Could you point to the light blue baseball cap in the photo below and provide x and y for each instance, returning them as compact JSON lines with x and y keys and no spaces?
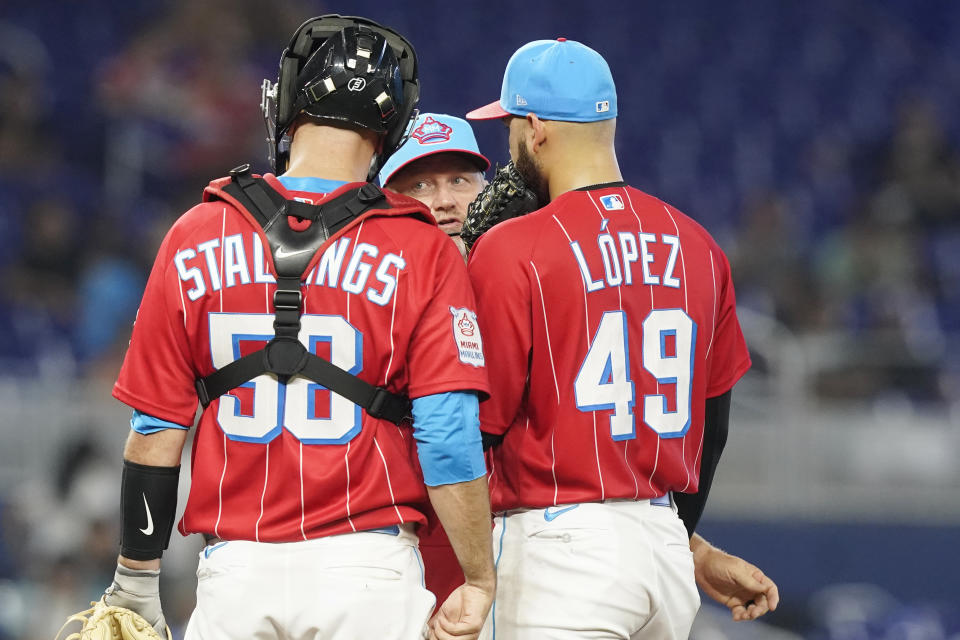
{"x":557,"y":80}
{"x":435,"y":133}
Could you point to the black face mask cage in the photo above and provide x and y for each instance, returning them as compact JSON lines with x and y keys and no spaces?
{"x":278,"y":98}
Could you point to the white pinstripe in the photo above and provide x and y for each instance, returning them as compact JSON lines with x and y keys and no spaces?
{"x":393,"y":314}
{"x":595,"y":205}
{"x":596,"y":452}
{"x":216,"y":527}
{"x":393,"y":500}
{"x":553,"y":465}
{"x":656,"y":459}
{"x":713,"y":281}
{"x":683,"y":263}
{"x":586,"y":327}
{"x":553,"y":367}
{"x":543,"y":306}
{"x":346,"y":461}
{"x":302,"y":508}
{"x":223,"y":235}
{"x":356,"y":241}
{"x":586,"y":323}
{"x":636,"y":484}
{"x":183,"y":305}
{"x":686,"y":308}
{"x":626,"y":443}
{"x":266,"y":475}
{"x":619,"y":286}
{"x":223,"y":473}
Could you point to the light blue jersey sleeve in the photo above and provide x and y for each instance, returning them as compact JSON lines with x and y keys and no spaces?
{"x":309,"y":184}
{"x":146,"y":424}
{"x":446,"y":427}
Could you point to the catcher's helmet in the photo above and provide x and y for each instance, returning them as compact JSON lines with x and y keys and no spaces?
{"x":345,"y":69}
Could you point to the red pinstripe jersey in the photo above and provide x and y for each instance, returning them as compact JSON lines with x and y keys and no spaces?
{"x":609,"y":318}
{"x":386,"y":298}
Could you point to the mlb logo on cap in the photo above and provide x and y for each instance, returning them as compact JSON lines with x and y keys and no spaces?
{"x":613,"y":202}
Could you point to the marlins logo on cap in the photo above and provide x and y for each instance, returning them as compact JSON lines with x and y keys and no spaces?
{"x":432,"y":131}
{"x":435,"y":133}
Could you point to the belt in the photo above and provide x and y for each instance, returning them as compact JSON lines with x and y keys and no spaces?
{"x":393,"y":530}
{"x":661,"y":501}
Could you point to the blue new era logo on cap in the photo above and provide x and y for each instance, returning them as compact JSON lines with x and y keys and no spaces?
{"x":612,"y":202}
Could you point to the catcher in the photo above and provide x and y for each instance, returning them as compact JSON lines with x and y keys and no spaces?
{"x":303,"y":480}
{"x":441,"y":165}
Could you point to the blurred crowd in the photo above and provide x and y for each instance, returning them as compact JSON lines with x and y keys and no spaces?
{"x":852,"y":241}
{"x":109,"y":129}
{"x":95,"y":166}
{"x":879,"y":289}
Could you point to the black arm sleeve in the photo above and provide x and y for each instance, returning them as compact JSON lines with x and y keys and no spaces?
{"x":715,"y":426}
{"x":148,"y":496}
{"x":490,"y":440}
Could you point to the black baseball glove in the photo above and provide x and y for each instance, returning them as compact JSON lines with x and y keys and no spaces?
{"x":507,"y":196}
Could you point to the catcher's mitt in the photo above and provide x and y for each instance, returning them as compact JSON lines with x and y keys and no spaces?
{"x":106,"y":622}
{"x":507,"y":196}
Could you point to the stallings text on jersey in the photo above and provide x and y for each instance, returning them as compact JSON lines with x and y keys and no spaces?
{"x":201,"y":267}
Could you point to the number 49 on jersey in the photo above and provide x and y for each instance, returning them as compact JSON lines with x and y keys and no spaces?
{"x":604,"y":381}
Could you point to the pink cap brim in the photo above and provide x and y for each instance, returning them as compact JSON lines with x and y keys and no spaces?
{"x":489,"y":112}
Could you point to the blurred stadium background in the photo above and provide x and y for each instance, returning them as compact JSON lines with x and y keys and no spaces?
{"x":816,"y":139}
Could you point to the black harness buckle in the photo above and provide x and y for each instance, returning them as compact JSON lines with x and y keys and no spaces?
{"x":284,"y":356}
{"x":201,"y":386}
{"x":378,"y":401}
{"x":287,"y":300}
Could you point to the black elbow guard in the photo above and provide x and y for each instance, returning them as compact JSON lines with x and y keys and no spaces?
{"x":148,"y":506}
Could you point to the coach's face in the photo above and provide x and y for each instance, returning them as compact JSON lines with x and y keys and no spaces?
{"x":445,"y":182}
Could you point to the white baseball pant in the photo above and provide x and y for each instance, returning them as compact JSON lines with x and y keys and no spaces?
{"x":618,"y":569}
{"x":357,"y":585}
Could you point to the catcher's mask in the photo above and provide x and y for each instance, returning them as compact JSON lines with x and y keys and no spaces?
{"x":343,"y":69}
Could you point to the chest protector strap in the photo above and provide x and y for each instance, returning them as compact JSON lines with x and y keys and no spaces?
{"x":285,"y":356}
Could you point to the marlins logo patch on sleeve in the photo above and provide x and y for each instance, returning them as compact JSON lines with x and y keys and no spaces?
{"x":466,"y":334}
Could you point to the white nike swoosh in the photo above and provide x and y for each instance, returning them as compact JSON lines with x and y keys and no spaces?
{"x":281,"y":252}
{"x":149,"y":528}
